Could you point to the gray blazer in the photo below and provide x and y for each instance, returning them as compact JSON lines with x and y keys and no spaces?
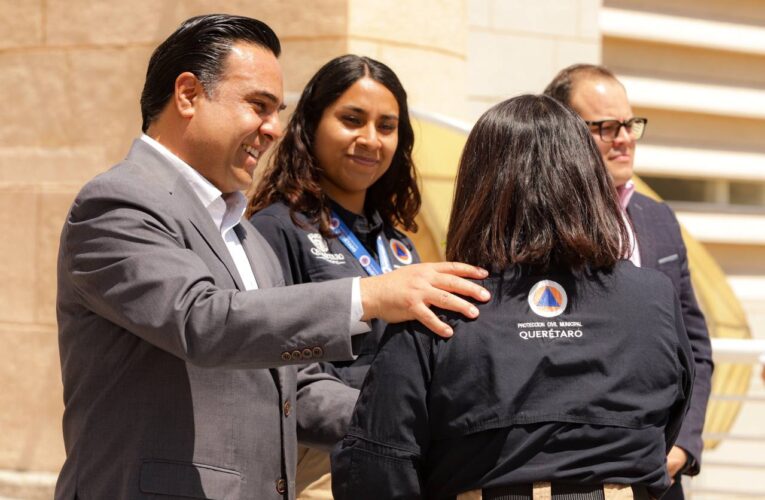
{"x":171,"y":372}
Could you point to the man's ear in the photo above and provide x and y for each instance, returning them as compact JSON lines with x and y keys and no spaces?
{"x":188,"y":89}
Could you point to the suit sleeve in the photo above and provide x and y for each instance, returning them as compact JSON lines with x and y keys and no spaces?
{"x":698,"y":337}
{"x":381,"y":456}
{"x":324,"y":407}
{"x":324,"y":402}
{"x":129,"y":262}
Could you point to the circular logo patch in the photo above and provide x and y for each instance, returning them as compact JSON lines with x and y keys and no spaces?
{"x":400,"y":251}
{"x":364,"y":260}
{"x":548,"y":299}
{"x":334,"y":222}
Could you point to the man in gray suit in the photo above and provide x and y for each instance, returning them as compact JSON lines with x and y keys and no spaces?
{"x":172,"y":325}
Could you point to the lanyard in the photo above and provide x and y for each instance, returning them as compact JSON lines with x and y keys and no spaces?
{"x":360,"y":253}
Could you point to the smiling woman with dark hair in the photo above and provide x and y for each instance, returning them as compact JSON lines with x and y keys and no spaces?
{"x":360,"y":101}
{"x":340,"y":183}
{"x":574,"y":380}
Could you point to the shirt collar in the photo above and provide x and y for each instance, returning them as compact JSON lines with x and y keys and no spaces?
{"x":226,"y":210}
{"x":362,"y":225}
{"x":625,"y":193}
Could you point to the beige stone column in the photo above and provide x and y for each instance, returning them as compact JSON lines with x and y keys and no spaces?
{"x":517,"y":46}
{"x":71,"y":73}
{"x":424,"y":42}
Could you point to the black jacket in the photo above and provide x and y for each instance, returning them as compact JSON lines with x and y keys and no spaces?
{"x":596,"y":394}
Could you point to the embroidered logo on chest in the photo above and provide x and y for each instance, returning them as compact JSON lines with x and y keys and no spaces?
{"x":318,"y":242}
{"x":320,"y":250}
{"x":400,"y":251}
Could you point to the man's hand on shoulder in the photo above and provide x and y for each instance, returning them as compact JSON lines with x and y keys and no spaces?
{"x":408,"y":292}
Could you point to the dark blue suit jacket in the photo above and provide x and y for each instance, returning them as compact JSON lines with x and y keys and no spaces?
{"x":661,"y":247}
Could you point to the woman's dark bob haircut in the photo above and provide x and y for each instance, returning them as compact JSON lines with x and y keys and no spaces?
{"x":294,"y":172}
{"x":532,"y":190}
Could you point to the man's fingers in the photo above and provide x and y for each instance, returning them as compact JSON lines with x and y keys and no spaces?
{"x":424,"y":315}
{"x":461,"y":269}
{"x":461,"y":286}
{"x":446,"y":300}
{"x":396,"y":296}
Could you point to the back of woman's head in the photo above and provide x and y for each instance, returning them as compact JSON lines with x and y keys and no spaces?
{"x":294,"y":173}
{"x":532,"y":190}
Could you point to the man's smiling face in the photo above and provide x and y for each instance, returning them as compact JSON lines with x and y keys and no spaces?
{"x":237,"y":120}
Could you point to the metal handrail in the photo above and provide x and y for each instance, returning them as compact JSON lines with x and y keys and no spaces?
{"x":737,"y":398}
{"x":745,"y":351}
{"x":737,"y":465}
{"x":728,"y":436}
{"x":725,"y":493}
{"x":738,"y":350}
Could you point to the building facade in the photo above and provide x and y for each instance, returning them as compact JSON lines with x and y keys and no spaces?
{"x":72,"y":73}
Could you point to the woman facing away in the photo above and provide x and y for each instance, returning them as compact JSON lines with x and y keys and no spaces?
{"x":574,"y":380}
{"x":340,"y":183}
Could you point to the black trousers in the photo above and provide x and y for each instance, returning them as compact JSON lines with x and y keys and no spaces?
{"x":675,"y":492}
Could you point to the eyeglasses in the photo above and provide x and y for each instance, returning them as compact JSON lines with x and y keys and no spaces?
{"x":610,"y":129}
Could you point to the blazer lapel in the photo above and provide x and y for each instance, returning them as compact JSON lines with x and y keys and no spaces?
{"x":640,"y":224}
{"x":203,"y":223}
{"x":162,"y":172}
{"x":263,"y":275}
{"x":218,"y":246}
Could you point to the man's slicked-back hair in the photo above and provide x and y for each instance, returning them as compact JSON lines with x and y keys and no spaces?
{"x":561,"y":86}
{"x":532,"y":190}
{"x":200,"y":46}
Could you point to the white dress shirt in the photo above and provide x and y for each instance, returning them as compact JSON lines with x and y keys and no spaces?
{"x":226,"y":210}
{"x":625,"y":193}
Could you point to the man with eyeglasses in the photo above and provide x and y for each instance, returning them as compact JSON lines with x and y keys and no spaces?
{"x":601,"y":100}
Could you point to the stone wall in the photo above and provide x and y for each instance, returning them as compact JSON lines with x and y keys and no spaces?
{"x":517,"y":46}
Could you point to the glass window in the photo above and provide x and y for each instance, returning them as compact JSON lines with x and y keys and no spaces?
{"x":670,"y":189}
{"x":747,"y":193}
